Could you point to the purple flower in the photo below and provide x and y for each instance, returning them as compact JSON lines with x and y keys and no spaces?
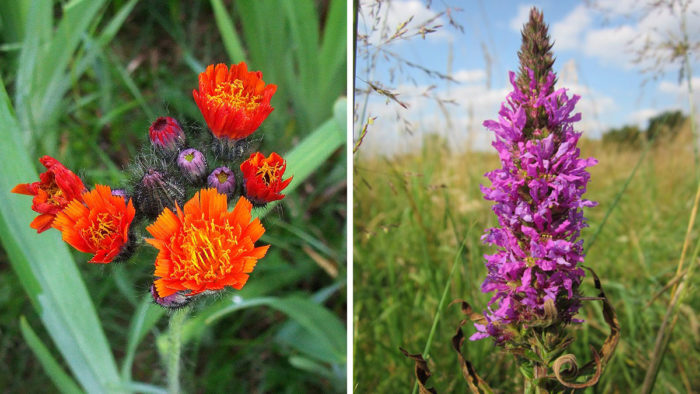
{"x":223,"y":180}
{"x":192,"y":164}
{"x":537,"y":197}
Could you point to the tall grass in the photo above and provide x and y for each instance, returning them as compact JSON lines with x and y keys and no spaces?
{"x":408,"y":211}
{"x":82,"y":81}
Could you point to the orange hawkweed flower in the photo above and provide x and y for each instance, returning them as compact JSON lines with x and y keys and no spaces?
{"x":57,"y":187}
{"x":100,"y":226}
{"x":234,"y":102}
{"x":204,"y":246}
{"x":263,"y":177}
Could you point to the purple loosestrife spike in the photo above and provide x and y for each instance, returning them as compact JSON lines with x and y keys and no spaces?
{"x":539,"y":204}
{"x":223,"y":180}
{"x":192,"y":164}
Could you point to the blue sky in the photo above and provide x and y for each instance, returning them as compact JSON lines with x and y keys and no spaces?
{"x":594,"y":45}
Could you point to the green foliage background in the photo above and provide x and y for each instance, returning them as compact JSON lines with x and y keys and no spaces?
{"x":81,"y":81}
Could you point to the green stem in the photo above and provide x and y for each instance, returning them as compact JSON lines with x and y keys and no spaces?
{"x":177,"y":320}
{"x":691,"y":105}
{"x":436,"y":319}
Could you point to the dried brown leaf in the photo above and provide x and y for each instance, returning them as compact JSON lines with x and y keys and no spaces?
{"x":422,"y":371}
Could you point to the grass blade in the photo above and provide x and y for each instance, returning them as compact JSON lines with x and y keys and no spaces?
{"x":319,"y":321}
{"x":46,"y":269}
{"x":60,"y":378}
{"x":436,"y":319}
{"x":228,"y":32}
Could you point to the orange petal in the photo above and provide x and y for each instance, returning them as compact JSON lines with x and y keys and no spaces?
{"x":42,"y":222}
{"x":241,"y":213}
{"x":166,"y":225}
{"x":255,"y":230}
{"x":23,"y":188}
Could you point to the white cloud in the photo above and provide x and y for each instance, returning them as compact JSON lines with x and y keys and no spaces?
{"x":568,"y":32}
{"x":520,"y":18}
{"x":611,"y":45}
{"x":678,"y":88}
{"x":641,"y":117}
{"x":467,"y":76}
{"x":629,"y":27}
{"x":617,"y":8}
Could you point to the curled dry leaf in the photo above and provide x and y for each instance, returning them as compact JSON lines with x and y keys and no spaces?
{"x":600,"y":358}
{"x":422,"y":371}
{"x":476,"y":383}
{"x":569,"y":360}
{"x":608,"y":348}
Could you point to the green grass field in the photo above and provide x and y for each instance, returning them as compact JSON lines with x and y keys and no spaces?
{"x":411,"y":214}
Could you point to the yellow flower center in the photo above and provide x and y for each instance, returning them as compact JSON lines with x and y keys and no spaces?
{"x":268,"y":173}
{"x":234,"y":95}
{"x":530,"y":261}
{"x":189,"y":157}
{"x":222,"y":177}
{"x":208,"y":248}
{"x":103,"y":226}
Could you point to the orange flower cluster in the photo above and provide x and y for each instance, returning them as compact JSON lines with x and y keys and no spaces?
{"x":233,"y":101}
{"x":204,"y":246}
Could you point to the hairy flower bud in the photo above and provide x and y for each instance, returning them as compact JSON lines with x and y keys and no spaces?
{"x":223,"y":180}
{"x":175,"y":300}
{"x":166,"y":134}
{"x":120,"y":193}
{"x":192,"y":164}
{"x":157,"y":190}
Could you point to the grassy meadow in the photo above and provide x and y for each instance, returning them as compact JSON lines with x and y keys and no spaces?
{"x":82,"y":81}
{"x":412,"y":213}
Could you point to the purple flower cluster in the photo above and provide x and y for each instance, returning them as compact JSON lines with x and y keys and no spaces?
{"x":538,"y":202}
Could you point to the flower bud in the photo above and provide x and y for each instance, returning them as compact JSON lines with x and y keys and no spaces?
{"x":192,"y":164}
{"x":166,"y":134}
{"x":120,"y":193}
{"x":176,"y":300}
{"x":223,"y":180}
{"x":155,"y":191}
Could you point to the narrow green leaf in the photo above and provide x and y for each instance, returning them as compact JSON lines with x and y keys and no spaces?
{"x":59,"y":377}
{"x":319,"y":321}
{"x":313,"y":151}
{"x":77,"y":16}
{"x":46,"y":269}
{"x":144,"y":319}
{"x":228,"y":32}
{"x":333,"y":53}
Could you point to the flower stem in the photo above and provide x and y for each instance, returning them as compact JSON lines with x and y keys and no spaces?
{"x":177,"y":319}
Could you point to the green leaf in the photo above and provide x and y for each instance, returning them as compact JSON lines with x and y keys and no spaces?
{"x":46,"y":269}
{"x":144,"y":319}
{"x":60,"y":378}
{"x":317,"y":320}
{"x":232,"y":43}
